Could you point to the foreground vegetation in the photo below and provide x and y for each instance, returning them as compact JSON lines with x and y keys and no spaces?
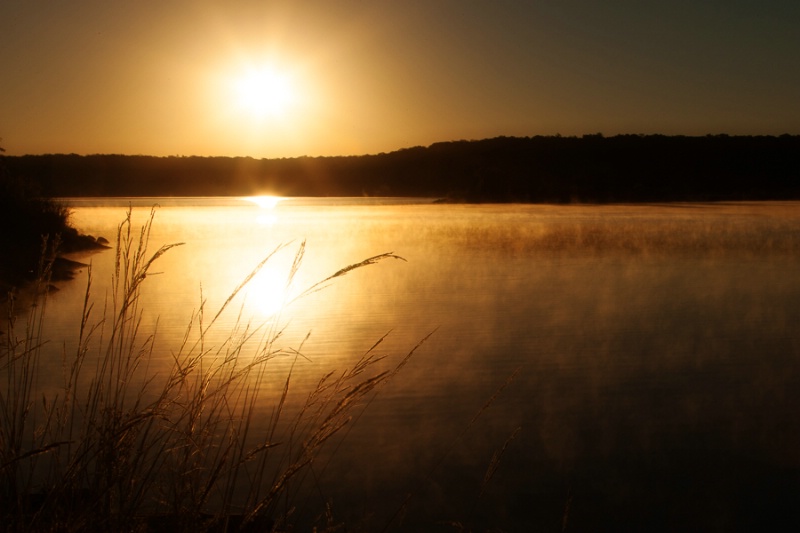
{"x":119,"y":446}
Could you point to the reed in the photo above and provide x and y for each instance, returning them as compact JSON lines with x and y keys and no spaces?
{"x":120,"y":446}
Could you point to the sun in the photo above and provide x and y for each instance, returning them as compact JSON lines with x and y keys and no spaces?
{"x":262,"y":105}
{"x":264,"y":92}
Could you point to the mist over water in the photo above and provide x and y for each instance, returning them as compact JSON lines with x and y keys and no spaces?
{"x":648,"y":355}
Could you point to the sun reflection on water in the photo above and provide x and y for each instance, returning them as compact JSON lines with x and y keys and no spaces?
{"x":268,"y":291}
{"x":267,"y":204}
{"x":265,"y":201}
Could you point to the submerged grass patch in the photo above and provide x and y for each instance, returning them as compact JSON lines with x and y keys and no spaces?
{"x":121,"y":446}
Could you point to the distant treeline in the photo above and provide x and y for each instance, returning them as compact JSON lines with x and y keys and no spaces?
{"x":592,"y":168}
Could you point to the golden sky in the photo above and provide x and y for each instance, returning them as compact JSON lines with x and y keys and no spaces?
{"x":340,"y":77}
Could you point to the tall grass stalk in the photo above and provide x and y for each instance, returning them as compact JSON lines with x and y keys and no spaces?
{"x":122,"y":446}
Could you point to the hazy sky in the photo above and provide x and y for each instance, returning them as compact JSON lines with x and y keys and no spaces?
{"x":306,"y":77}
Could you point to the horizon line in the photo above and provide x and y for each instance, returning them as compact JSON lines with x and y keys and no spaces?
{"x":597,"y":135}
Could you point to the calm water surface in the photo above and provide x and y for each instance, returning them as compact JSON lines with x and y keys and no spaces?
{"x":653,"y":350}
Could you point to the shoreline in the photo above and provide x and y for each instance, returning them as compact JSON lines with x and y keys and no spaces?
{"x":19,"y":278}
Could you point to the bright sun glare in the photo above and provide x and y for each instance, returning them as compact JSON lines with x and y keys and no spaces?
{"x":264,"y":92}
{"x":264,"y":202}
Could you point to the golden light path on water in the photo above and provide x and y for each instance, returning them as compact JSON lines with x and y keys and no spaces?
{"x":269,"y":289}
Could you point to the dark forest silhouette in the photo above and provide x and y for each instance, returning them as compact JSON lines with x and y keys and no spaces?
{"x":592,"y":168}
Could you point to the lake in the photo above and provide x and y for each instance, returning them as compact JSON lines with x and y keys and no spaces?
{"x":618,"y":367}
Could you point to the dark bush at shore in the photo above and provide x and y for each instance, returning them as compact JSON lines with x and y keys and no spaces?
{"x":35,"y":230}
{"x":31,"y":226}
